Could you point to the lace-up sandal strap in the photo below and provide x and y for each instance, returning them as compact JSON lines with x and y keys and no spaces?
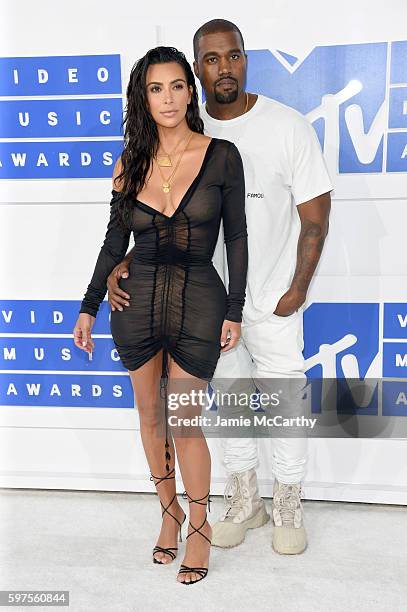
{"x":198,"y":530}
{"x":159,"y":479}
{"x":185,"y":569}
{"x":165,"y":510}
{"x":167,"y":551}
{"x":200,"y":501}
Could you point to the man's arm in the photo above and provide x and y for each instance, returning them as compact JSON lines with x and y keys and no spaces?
{"x":314,"y":216}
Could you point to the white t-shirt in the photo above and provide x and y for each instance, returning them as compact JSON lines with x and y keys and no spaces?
{"x":283,"y":167}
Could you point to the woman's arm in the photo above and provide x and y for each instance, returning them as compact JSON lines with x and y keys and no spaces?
{"x":235,"y":232}
{"x":113,"y":250}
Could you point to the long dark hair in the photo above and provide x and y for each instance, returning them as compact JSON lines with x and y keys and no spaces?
{"x":141,"y":133}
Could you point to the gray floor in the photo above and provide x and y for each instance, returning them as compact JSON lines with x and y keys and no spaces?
{"x":98,"y":546}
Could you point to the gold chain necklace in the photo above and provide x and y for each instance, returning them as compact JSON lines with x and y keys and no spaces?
{"x":166,"y":184}
{"x":247,"y":103}
{"x":165,"y":160}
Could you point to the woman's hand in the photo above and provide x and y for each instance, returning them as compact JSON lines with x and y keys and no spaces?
{"x":231,"y":332}
{"x":81,"y":333}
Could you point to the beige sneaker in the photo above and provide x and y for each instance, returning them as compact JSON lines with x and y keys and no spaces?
{"x":289,"y":535}
{"x":244,"y":509}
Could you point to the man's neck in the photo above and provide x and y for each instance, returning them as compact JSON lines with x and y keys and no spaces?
{"x":223,"y":112}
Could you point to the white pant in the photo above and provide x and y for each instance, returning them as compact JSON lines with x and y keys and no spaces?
{"x":271,"y":348}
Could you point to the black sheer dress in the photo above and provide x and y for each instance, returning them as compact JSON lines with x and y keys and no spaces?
{"x":178,"y":302}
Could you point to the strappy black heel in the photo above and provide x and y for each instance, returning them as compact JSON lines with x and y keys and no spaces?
{"x":184,"y":569}
{"x":168,"y":551}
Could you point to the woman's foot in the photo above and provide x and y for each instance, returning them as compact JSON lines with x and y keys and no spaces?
{"x":169,"y":534}
{"x":197,"y":552}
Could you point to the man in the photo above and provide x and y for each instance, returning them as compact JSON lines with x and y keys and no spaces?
{"x":287,"y":209}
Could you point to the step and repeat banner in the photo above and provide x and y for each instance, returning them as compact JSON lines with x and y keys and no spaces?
{"x":62,"y":95}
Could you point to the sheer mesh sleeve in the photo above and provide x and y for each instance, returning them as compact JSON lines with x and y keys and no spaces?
{"x":113,"y":250}
{"x":235,"y":232}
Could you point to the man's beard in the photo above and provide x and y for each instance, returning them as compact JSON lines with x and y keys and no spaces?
{"x":226,"y":98}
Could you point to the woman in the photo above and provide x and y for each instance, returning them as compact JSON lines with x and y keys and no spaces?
{"x":172,"y":186}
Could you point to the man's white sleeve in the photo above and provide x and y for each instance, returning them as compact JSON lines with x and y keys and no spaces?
{"x":310,"y":176}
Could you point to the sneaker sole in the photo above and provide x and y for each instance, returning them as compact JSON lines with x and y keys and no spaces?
{"x":258,"y":520}
{"x":290,"y":552}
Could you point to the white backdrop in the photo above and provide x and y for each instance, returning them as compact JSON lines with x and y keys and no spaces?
{"x":51,"y":231}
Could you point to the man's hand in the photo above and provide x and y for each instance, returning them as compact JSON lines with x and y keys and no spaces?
{"x":314,"y":217}
{"x":231,"y":332}
{"x":117,"y":297}
{"x":291,"y":301}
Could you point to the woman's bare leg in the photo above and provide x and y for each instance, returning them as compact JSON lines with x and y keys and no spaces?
{"x":195,"y":465}
{"x":146,"y":386}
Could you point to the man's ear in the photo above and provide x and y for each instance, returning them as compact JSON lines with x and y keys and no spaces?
{"x":196,"y":69}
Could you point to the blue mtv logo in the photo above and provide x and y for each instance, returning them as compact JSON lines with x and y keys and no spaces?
{"x":342,"y":347}
{"x":344,"y":91}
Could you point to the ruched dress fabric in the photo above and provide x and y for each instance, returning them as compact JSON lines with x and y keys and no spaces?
{"x":178,"y":302}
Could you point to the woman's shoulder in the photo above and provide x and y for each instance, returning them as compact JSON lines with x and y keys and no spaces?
{"x":217,"y":147}
{"x":222,"y":143}
{"x":225,"y":147}
{"x":117,"y":180}
{"x":227,"y":150}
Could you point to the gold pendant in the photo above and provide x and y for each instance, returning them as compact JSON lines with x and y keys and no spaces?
{"x":164,"y":161}
{"x":166,"y":187}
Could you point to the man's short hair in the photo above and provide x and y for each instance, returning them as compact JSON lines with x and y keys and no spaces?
{"x":213,"y":27}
